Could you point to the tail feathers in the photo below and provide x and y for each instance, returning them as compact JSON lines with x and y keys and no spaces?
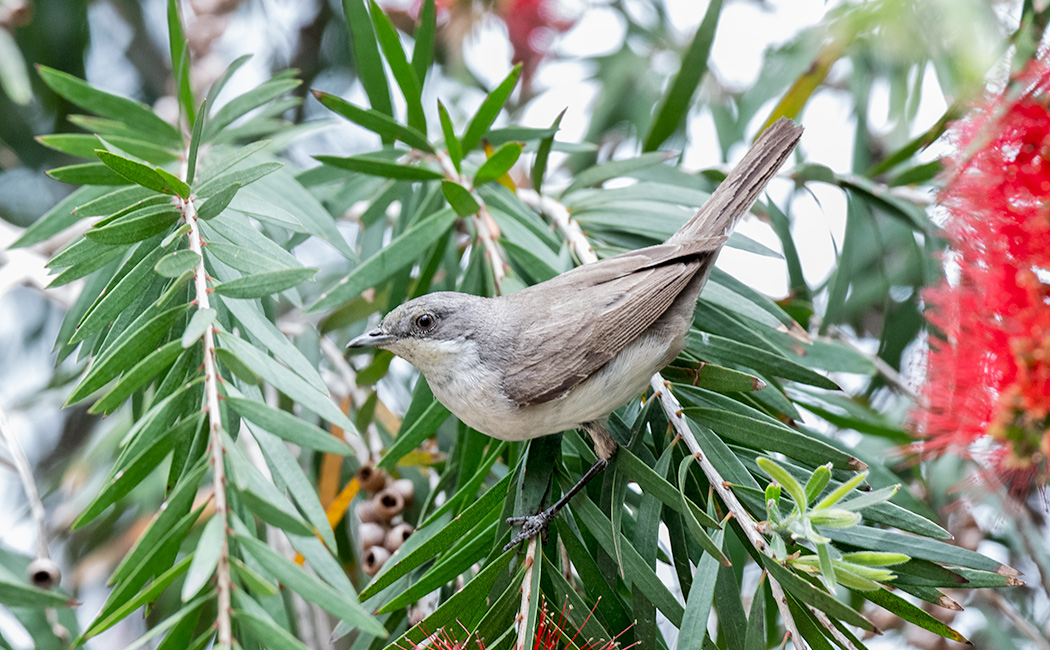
{"x":735,"y":196}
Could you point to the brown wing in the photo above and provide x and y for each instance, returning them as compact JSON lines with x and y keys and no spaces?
{"x":590,"y":314}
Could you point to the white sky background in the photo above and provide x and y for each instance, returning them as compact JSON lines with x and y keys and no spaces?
{"x":268,"y":28}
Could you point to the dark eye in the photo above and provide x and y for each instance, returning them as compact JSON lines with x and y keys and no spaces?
{"x":425,"y":321}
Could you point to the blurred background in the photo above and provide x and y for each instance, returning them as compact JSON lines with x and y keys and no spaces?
{"x":874,"y":83}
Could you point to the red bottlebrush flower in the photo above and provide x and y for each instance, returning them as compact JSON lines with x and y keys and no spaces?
{"x":531,"y":25}
{"x":988,"y":369}
{"x":549,"y":633}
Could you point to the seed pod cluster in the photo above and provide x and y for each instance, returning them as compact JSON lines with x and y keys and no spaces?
{"x":380,"y":527}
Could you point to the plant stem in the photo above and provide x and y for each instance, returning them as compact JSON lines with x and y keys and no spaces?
{"x":526,"y":594}
{"x":484,"y":224}
{"x":25,"y":472}
{"x":215,"y":444}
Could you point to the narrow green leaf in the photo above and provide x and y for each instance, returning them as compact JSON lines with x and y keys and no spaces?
{"x":711,"y":347}
{"x":466,"y":607}
{"x":762,"y":434}
{"x":700,"y":600}
{"x":379,"y":167}
{"x":218,"y":202}
{"x":253,"y":580}
{"x":148,"y":595}
{"x":180,"y":63}
{"x":189,"y":612}
{"x":311,"y":588}
{"x":195,"y":142}
{"x":63,"y":215}
{"x":423,"y":51}
{"x":139,"y":374}
{"x":693,"y":515}
{"x":785,"y":480}
{"x":242,"y":104}
{"x":498,"y":164}
{"x":134,"y":171}
{"x":133,"y":113}
{"x":84,"y":145}
{"x":366,"y":55}
{"x":217,"y":87}
{"x":131,"y":345}
{"x":175,"y":264}
{"x":213,"y":186}
{"x":909,"y":612}
{"x":176,"y":184}
{"x":130,"y":472}
{"x":16,"y":594}
{"x":614,"y":169}
{"x":634,"y":567}
{"x":243,"y":259}
{"x":87,"y":174}
{"x":375,"y":121}
{"x":817,"y":482}
{"x":488,"y":503}
{"x":404,"y":74}
{"x":460,"y":198}
{"x":812,"y":595}
{"x":263,"y":628}
{"x":865,"y":537}
{"x":678,"y":100}
{"x":287,"y":426}
{"x":135,"y":227}
{"x":841,"y":491}
{"x":488,"y":110}
{"x":261,"y":285}
{"x":205,"y":558}
{"x":199,"y":323}
{"x":287,"y":381}
{"x":655,"y":485}
{"x":543,"y":152}
{"x":285,"y":468}
{"x":755,"y":639}
{"x":400,"y":253}
{"x":422,"y":428}
{"x":455,"y":152}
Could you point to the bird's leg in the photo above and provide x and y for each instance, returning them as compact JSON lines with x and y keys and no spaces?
{"x":532,"y":525}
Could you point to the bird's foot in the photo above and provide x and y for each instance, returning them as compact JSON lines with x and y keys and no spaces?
{"x":531,"y":526}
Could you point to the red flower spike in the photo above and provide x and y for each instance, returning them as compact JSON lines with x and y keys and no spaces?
{"x":988,"y":368}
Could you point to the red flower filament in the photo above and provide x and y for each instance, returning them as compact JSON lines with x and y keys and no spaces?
{"x":988,"y":370}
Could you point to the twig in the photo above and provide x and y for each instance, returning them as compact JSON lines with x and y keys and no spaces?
{"x":888,"y":372}
{"x":1009,"y":611}
{"x":211,"y":391}
{"x":486,"y":226}
{"x":526,"y":593}
{"x":25,"y":472}
{"x":349,"y":377}
{"x":673,"y":410}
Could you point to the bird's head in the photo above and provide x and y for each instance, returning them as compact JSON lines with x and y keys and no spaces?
{"x":431,"y":330}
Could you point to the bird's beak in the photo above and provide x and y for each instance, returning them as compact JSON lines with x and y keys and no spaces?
{"x":373,"y":339}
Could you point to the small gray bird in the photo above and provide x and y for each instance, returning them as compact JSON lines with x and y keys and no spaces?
{"x":567,"y":352}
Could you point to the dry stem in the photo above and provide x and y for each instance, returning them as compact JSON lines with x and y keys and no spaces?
{"x":211,"y":391}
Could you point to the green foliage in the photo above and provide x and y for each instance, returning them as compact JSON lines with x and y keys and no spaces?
{"x":200,"y":329}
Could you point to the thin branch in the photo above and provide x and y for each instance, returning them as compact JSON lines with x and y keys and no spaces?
{"x":486,"y":227}
{"x":526,"y":593}
{"x":25,"y":472}
{"x":1020,"y":622}
{"x":888,"y":372}
{"x":211,"y":391}
{"x":673,"y":411}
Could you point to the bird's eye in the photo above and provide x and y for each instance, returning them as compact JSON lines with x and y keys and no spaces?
{"x":425,"y":321}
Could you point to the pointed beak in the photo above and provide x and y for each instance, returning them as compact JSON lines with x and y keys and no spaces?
{"x":375,"y":338}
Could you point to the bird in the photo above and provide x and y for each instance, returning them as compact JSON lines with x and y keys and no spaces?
{"x":565,"y":353}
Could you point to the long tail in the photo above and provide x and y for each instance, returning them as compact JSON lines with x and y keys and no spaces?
{"x":745,"y":183}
